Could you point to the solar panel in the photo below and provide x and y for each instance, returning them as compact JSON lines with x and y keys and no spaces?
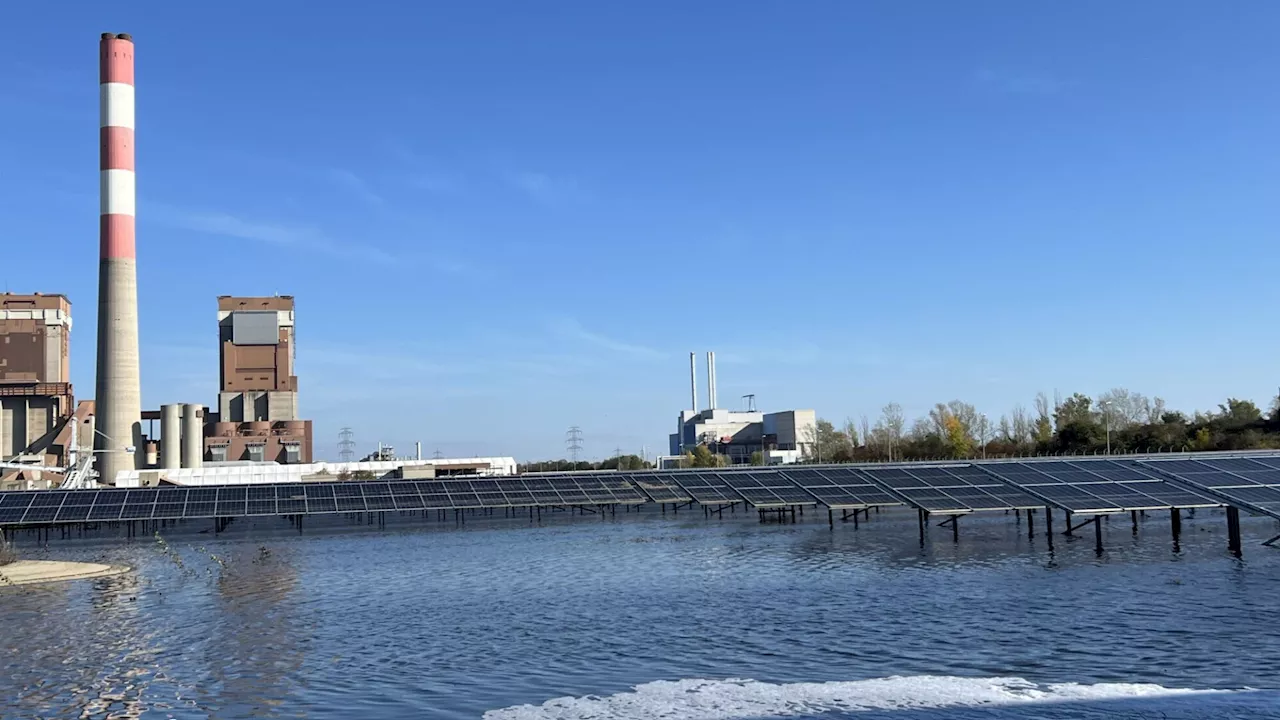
{"x":1096,"y":486}
{"x":377,"y":496}
{"x":1248,"y":482}
{"x":13,"y":505}
{"x":951,"y":489}
{"x":320,"y":498}
{"x":517,"y":494}
{"x":290,"y":499}
{"x":76,"y":506}
{"x":348,"y":498}
{"x":262,"y":500}
{"x":706,"y":488}
{"x":767,"y":489}
{"x":841,"y":488}
{"x":232,"y":501}
{"x":108,"y":505}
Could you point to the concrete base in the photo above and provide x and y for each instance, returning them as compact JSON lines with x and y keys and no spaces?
{"x":29,"y":572}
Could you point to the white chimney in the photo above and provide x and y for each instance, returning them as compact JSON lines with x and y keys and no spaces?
{"x":693,"y":379}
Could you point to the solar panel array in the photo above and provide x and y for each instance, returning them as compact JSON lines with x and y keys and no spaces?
{"x":660,"y":487}
{"x":767,"y":489}
{"x":1097,"y":486}
{"x":955,"y":489}
{"x":1080,"y":486}
{"x":1251,"y":482}
{"x":841,"y":488}
{"x":173,"y":503}
{"x":707,"y":488}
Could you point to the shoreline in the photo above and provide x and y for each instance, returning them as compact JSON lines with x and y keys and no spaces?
{"x":32,"y":572}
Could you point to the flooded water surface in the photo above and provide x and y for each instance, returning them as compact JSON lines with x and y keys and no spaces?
{"x":645,"y":615}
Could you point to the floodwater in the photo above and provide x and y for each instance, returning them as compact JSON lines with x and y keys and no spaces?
{"x":646,"y":616}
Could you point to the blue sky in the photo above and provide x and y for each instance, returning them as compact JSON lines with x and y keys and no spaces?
{"x":500,"y":219}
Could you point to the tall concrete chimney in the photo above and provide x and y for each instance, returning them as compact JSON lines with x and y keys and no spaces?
{"x":711,"y":383}
{"x":693,"y":379}
{"x":118,"y":388}
{"x":192,"y":436}
{"x":715,"y":383}
{"x":171,"y":436}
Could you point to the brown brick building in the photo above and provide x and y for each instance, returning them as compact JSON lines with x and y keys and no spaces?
{"x":37,"y":400}
{"x":257,"y":416}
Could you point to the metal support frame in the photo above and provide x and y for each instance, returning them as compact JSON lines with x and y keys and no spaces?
{"x":719,"y":510}
{"x":1233,"y":530}
{"x":1072,"y":528}
{"x":954,"y":522}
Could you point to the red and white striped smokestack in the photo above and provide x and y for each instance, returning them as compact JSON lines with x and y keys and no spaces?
{"x":118,"y":408}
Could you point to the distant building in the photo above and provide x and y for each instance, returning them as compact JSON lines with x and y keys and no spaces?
{"x":738,"y":434}
{"x":779,"y":437}
{"x":257,"y":418}
{"x":40,"y":423}
{"x":255,"y":473}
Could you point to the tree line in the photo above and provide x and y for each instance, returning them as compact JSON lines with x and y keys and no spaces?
{"x":1119,"y":421}
{"x":621,"y":462}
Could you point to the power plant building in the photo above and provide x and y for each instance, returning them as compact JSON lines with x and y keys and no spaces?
{"x":738,"y":434}
{"x":40,"y":424}
{"x":257,"y":417}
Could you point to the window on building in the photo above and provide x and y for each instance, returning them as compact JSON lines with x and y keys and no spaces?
{"x":218,"y":453}
{"x":293,"y":452}
{"x":256,"y":452}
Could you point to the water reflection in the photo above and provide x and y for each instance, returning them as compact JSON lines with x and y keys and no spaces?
{"x":447,"y":623}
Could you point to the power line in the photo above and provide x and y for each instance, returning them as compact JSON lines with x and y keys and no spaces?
{"x":573,"y":442}
{"x":346,"y":446}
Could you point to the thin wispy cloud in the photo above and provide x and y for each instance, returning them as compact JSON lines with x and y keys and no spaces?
{"x":571,"y":329}
{"x":546,"y":189}
{"x":1017,"y":82}
{"x":423,"y":173}
{"x":294,"y":236}
{"x":357,"y":186}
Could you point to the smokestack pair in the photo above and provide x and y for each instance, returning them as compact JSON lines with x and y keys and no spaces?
{"x":711,"y":379}
{"x":118,"y":402}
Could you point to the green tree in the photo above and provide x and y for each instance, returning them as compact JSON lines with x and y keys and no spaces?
{"x":1238,"y":414}
{"x":757,"y":458}
{"x":702,"y":457}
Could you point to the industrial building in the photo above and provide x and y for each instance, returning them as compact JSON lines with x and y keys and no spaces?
{"x":250,"y":473}
{"x":780,"y":437}
{"x":257,"y":416}
{"x":40,"y":423}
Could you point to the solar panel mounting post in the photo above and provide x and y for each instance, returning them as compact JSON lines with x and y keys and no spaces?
{"x":1233,"y":530}
{"x":1097,"y":533}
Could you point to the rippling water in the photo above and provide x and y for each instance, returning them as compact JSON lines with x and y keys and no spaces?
{"x":650,"y":616}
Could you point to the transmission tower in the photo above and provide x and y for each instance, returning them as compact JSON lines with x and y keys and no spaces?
{"x":573,"y":442}
{"x":346,"y":446}
{"x":437,"y":454}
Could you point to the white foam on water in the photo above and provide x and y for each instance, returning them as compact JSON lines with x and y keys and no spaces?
{"x":741,"y":699}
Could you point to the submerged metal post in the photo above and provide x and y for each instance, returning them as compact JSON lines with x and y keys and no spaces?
{"x":1175,"y":522}
{"x":1097,"y":533}
{"x":1233,"y":529}
{"x":1031,"y":524}
{"x":1133,"y":514}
